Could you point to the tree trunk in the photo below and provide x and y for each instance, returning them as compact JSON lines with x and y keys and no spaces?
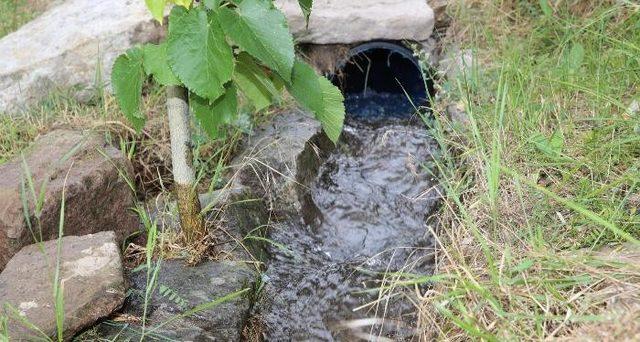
{"x":184,"y":176}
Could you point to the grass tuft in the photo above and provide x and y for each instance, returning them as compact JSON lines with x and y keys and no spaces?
{"x":541,"y":176}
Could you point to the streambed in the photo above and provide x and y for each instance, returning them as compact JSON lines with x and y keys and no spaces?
{"x":368,"y":208}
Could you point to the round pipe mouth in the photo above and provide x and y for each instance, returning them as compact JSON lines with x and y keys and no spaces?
{"x":383,"y":78}
{"x":393,"y":48}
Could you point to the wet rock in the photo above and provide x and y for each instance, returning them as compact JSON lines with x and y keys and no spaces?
{"x":360,"y":20}
{"x":279,"y":158}
{"x":68,"y":46}
{"x":91,"y":278}
{"x":179,"y":289}
{"x":97,"y":198}
{"x":268,"y":181}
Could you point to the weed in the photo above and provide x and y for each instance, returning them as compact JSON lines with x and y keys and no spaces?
{"x":540,"y":175}
{"x":15,"y":13}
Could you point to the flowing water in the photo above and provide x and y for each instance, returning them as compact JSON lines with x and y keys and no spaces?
{"x":372,"y":198}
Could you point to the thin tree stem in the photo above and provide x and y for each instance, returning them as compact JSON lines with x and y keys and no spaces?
{"x":189,"y":207}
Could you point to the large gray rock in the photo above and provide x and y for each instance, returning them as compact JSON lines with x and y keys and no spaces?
{"x":90,"y":275}
{"x":67,"y":46}
{"x":269,"y":179}
{"x":180,"y":288}
{"x":97,"y":198}
{"x":71,"y":42}
{"x":280,"y":159}
{"x":351,"y":21}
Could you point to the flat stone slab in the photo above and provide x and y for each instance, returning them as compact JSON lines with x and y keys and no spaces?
{"x":90,"y":274}
{"x":352,"y":21}
{"x":97,"y":198}
{"x":67,"y":46}
{"x":76,"y":40}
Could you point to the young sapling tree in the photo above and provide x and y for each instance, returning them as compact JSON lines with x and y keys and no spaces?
{"x":216,"y":51}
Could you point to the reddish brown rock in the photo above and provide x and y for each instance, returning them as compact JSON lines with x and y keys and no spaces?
{"x":97,"y":197}
{"x":90,"y":276}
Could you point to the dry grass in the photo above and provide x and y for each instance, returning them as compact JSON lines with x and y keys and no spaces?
{"x":148,"y":150}
{"x":541,"y":177}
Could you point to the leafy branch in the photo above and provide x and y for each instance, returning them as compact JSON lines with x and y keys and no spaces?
{"x":215,"y":52}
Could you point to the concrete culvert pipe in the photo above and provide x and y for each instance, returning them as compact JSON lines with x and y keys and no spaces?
{"x":382,"y":79}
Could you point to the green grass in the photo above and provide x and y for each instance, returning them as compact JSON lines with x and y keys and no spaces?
{"x":542,"y":175}
{"x":15,"y":13}
{"x":152,"y":265}
{"x":148,"y":150}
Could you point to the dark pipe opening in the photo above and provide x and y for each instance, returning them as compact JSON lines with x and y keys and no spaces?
{"x":382,"y":80}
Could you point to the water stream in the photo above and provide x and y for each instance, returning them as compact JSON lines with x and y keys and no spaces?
{"x":371,"y":201}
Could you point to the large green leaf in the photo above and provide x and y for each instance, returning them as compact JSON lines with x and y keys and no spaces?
{"x":332,"y":115}
{"x":156,"y":7}
{"x":212,"y":4}
{"x":305,"y":86}
{"x":183,"y":3}
{"x":254,"y":83}
{"x":126,"y":78}
{"x":318,"y":95}
{"x":261,"y":30}
{"x":156,"y":64}
{"x":197,"y":51}
{"x":213,"y":114}
{"x":306,"y":5}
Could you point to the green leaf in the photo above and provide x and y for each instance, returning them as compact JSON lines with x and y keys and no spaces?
{"x":197,"y":51}
{"x":156,"y":64}
{"x":523,"y":265}
{"x":575,"y":57}
{"x":318,"y":95}
{"x":332,"y":115}
{"x":156,"y":7}
{"x":546,"y":8}
{"x":306,"y":5}
{"x":278,"y":82}
{"x":183,"y":3}
{"x":213,"y":114}
{"x":126,"y":78}
{"x":261,"y":30}
{"x":254,"y":84}
{"x":551,"y":146}
{"x":305,"y":86}
{"x":212,"y":4}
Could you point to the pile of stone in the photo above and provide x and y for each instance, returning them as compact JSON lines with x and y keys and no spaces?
{"x":90,"y":177}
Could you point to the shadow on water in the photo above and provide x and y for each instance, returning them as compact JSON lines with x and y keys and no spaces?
{"x":368,"y":206}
